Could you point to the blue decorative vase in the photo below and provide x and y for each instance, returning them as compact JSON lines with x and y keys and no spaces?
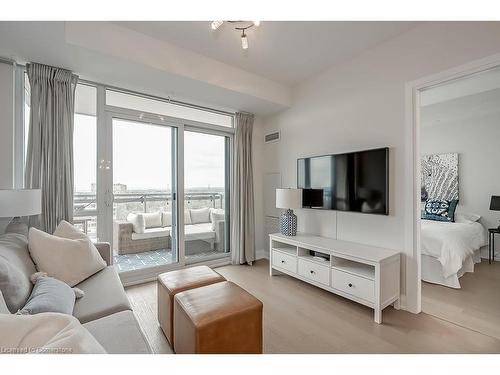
{"x":288,"y":223}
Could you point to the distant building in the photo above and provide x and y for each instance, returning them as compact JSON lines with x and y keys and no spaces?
{"x":117,"y":188}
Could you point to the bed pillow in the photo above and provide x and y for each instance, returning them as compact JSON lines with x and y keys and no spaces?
{"x":440,"y":210}
{"x":49,"y":295}
{"x":464,"y":217}
{"x":68,"y":260}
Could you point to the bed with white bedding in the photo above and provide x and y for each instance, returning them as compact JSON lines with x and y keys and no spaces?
{"x":450,"y":249}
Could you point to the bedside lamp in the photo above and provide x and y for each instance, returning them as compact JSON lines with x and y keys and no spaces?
{"x":495,"y":204}
{"x":288,"y":199}
{"x":20,"y":202}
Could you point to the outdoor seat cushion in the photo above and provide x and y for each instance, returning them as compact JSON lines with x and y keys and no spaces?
{"x":199,"y":232}
{"x":119,"y":334}
{"x":104,"y":295}
{"x":151,"y":233}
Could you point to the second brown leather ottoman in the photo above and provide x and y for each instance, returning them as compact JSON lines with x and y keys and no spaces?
{"x":217,"y":319}
{"x":173,"y":282}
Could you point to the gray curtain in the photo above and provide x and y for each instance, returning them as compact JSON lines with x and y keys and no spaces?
{"x":243,"y":225}
{"x":49,"y":159}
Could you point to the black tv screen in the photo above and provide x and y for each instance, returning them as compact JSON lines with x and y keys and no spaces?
{"x":355,"y":181}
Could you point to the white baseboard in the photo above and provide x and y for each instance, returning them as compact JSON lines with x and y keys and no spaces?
{"x":261,"y":254}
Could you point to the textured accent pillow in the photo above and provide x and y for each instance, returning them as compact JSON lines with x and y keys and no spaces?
{"x":152,"y":219}
{"x":68,"y":260}
{"x":137,"y":222}
{"x":46,"y":333}
{"x":200,"y":215}
{"x":440,"y":210}
{"x":50,"y":295}
{"x":166,"y":219}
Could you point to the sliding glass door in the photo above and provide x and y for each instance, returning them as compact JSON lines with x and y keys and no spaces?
{"x":206,"y":195}
{"x":144,"y":195}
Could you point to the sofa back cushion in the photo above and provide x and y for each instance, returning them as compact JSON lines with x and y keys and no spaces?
{"x":152,"y":219}
{"x":16,"y":267}
{"x":200,"y":215}
{"x":166,"y":219}
{"x":137,"y":221}
{"x":216,"y":215}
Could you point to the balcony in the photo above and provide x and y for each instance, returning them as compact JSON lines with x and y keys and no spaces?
{"x":205,"y":236}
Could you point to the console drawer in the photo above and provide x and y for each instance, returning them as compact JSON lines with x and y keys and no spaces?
{"x":354,"y":285}
{"x":314,"y":272}
{"x":285,"y":261}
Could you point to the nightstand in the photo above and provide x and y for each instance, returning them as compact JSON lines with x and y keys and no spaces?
{"x":491,"y":243}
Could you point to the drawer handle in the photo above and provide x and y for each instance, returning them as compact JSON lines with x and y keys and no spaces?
{"x":312,"y":272}
{"x":283,"y":261}
{"x":350,"y":285}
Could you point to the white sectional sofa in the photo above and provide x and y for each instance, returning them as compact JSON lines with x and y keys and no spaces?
{"x":152,"y":231}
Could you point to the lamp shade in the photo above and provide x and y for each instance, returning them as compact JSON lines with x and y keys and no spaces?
{"x":495,"y":203}
{"x":288,"y":198}
{"x":22,"y":202}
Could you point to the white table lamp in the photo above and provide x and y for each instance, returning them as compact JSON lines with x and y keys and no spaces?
{"x":288,"y":199}
{"x":21,"y":202}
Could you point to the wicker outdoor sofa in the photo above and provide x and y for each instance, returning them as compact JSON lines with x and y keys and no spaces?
{"x":152,"y":231}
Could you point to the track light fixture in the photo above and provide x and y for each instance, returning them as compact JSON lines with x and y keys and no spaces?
{"x":239,"y":26}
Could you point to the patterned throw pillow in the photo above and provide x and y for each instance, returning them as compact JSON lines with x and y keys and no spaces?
{"x":440,"y":210}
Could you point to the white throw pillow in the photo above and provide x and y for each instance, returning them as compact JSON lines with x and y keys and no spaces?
{"x":65,"y":259}
{"x":152,"y":219}
{"x":187,"y":217}
{"x":216,"y":215}
{"x":200,"y":215}
{"x":46,"y":333}
{"x":137,"y":221}
{"x":166,"y":219}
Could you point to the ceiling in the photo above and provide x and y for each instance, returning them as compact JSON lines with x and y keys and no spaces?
{"x":283,"y":51}
{"x":464,"y":99}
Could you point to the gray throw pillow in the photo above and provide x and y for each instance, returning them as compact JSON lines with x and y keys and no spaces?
{"x":50,"y":295}
{"x":14,"y":284}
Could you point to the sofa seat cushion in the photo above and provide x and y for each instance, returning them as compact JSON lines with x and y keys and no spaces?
{"x":104,"y":295}
{"x":199,"y":232}
{"x":16,"y":267}
{"x":151,"y":233}
{"x":119,"y":333}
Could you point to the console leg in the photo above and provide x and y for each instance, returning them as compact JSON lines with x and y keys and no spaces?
{"x":378,"y":316}
{"x":397,"y":304}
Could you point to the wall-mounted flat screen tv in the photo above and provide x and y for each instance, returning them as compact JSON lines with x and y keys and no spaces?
{"x":355,"y":181}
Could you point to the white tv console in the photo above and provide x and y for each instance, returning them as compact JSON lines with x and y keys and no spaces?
{"x":366,"y":274}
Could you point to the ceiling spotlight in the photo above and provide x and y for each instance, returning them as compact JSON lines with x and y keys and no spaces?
{"x":244,"y":40}
{"x":216,"y":24}
{"x":256,"y":23}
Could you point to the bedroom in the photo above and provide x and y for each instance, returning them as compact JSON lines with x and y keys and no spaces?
{"x":459,"y":132}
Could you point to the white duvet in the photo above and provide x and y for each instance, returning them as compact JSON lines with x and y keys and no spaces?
{"x":451,"y":243}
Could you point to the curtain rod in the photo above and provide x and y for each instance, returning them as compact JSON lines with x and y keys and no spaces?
{"x":128,"y":91}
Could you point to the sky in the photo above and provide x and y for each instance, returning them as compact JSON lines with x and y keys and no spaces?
{"x":142,"y":156}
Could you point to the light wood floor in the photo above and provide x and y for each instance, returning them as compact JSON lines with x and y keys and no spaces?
{"x":300,"y":318}
{"x":475,"y":306}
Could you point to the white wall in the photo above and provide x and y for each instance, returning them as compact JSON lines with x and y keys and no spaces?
{"x":360,"y":104}
{"x":476,"y":141}
{"x":6,"y":130}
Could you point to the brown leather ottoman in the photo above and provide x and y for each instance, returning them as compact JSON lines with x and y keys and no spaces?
{"x":217,"y":319}
{"x":171,"y":283}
